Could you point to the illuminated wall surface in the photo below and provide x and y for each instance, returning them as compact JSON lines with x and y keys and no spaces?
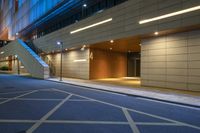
{"x":28,"y":11}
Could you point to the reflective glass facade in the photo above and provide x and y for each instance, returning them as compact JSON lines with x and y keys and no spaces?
{"x":28,"y":11}
{"x":35,"y":18}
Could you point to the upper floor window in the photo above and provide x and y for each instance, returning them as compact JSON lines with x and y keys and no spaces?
{"x":16,"y":5}
{"x":20,"y":2}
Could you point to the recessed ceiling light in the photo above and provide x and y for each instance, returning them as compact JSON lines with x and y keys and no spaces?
{"x":82,"y":49}
{"x":170,"y":15}
{"x":59,"y":43}
{"x":2,"y":52}
{"x":156,"y":33}
{"x":110,"y":48}
{"x":111,"y":41}
{"x":84,"y":5}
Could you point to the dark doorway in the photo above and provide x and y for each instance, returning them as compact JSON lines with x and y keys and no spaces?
{"x":133,"y":64}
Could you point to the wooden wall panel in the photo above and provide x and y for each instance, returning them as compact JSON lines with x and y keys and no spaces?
{"x":107,"y":64}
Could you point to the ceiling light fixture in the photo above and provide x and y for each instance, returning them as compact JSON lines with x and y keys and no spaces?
{"x":111,"y":41}
{"x":59,"y":43}
{"x":80,"y":60}
{"x":83,"y":48}
{"x":156,"y":33}
{"x":90,"y":26}
{"x":170,"y":15}
{"x":2,"y":52}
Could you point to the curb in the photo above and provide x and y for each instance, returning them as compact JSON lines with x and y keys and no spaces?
{"x":135,"y":95}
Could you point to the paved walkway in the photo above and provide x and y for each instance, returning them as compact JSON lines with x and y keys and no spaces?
{"x":161,"y":95}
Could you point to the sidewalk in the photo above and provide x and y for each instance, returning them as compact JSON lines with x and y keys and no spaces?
{"x":181,"y":98}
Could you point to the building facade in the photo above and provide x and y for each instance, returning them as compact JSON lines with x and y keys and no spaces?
{"x":158,"y":41}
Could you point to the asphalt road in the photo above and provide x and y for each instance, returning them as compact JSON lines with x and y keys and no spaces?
{"x":39,"y":106}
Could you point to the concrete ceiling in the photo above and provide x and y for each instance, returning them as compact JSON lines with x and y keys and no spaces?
{"x":130,"y":44}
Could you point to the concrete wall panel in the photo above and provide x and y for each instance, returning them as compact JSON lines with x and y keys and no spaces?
{"x":180,"y":63}
{"x":71,"y":67}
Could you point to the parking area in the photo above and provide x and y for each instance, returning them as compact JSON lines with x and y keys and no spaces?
{"x":37,"y":106}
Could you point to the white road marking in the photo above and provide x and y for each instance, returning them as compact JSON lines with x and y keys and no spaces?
{"x":87,"y":122}
{"x":38,"y":99}
{"x":17,"y":121}
{"x":155,"y":116}
{"x":43,"y":120}
{"x":15,"y":92}
{"x":157,"y":124}
{"x":80,"y":100}
{"x":45,"y":117}
{"x":130,"y":121}
{"x":14,"y":98}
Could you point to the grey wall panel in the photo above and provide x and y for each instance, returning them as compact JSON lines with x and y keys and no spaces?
{"x":177,"y":65}
{"x":71,"y":69}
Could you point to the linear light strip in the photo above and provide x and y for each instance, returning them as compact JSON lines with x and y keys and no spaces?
{"x":80,"y":60}
{"x":170,"y":15}
{"x":92,"y":25}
